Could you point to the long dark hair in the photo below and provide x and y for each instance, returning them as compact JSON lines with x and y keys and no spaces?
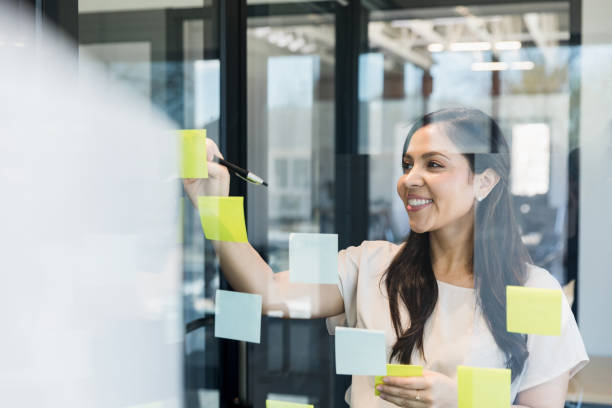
{"x":499,"y":257}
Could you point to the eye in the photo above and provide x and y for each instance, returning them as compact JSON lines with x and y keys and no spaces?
{"x":435,"y":165}
{"x":406,"y":166}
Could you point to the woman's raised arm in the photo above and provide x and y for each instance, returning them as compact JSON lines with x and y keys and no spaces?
{"x":245,"y":269}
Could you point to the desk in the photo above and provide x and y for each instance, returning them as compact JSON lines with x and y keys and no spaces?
{"x":594,"y":382}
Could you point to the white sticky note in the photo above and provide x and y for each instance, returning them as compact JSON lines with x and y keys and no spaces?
{"x":360,"y":352}
{"x":238,"y":316}
{"x":313,"y":258}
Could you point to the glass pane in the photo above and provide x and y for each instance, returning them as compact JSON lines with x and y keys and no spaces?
{"x":166,"y":52}
{"x":290,"y":88}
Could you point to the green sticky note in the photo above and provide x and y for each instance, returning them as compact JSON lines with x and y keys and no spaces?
{"x":284,"y":404}
{"x":533,"y":310}
{"x":398,"y":370}
{"x":193,"y":153}
{"x":483,"y":387}
{"x":223,"y":218}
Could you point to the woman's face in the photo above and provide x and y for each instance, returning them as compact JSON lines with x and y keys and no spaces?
{"x":437,"y":184}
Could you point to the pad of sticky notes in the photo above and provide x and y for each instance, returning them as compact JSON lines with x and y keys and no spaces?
{"x":223,"y":218}
{"x":360,"y":351}
{"x":284,"y":404}
{"x":313,"y":258}
{"x":193,"y":153}
{"x":398,"y":370}
{"x":533,"y":310}
{"x":237,"y":316}
{"x":483,"y":387}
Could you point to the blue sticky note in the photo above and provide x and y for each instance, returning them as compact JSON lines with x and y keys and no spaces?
{"x":313,"y":258}
{"x":360,"y":352}
{"x":238,"y":316}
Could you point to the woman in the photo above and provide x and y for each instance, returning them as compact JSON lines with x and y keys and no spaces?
{"x":440,"y":296}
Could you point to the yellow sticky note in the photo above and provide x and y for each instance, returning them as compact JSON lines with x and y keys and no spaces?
{"x":284,"y":404}
{"x":193,"y":153}
{"x":533,"y":310}
{"x":398,"y":370}
{"x":223,"y":218}
{"x":483,"y":387}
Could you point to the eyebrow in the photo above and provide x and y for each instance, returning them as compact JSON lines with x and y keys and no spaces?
{"x":426,"y":155}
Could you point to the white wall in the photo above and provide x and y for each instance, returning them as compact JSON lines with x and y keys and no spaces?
{"x":595,"y":262}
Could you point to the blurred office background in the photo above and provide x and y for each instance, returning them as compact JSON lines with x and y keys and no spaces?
{"x":316,"y":97}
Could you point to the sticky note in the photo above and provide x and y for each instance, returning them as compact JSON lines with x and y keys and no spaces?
{"x":398,"y":370}
{"x":193,"y":153}
{"x":284,"y":404}
{"x":237,"y":316}
{"x":313,"y":258}
{"x":360,"y":351}
{"x":533,"y":310}
{"x":483,"y":387}
{"x":223,"y":218}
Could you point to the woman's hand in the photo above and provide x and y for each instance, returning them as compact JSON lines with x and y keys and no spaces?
{"x":432,"y":390}
{"x":217,"y":183}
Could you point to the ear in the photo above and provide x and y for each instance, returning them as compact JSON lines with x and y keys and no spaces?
{"x":484,"y":183}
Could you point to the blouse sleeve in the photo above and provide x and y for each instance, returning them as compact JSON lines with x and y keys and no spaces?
{"x":551,"y":356}
{"x":348,"y":272}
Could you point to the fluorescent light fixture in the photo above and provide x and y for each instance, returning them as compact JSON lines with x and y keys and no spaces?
{"x":489,"y":66}
{"x":435,"y":47}
{"x":296,"y":45}
{"x":507,"y":45}
{"x":522,"y":65}
{"x":262,"y":31}
{"x":309,"y":48}
{"x":470,"y":46}
{"x":285,"y":40}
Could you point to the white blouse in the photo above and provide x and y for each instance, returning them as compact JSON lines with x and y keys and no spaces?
{"x":456,"y":332}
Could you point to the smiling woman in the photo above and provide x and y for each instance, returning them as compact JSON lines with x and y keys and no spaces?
{"x":440,"y":296}
{"x":445,"y":285}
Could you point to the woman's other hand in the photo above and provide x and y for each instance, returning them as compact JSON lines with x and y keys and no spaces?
{"x":432,"y":390}
{"x":217,"y":183}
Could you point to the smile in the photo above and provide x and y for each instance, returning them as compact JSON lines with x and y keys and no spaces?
{"x":416,"y":205}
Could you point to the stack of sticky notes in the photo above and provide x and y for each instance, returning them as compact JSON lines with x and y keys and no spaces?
{"x":193,"y":153}
{"x":360,"y":351}
{"x":223,"y":218}
{"x":483,"y":387}
{"x":238,"y":316}
{"x":284,"y":404}
{"x":533,"y":310}
{"x":313,"y":258}
{"x":398,"y":370}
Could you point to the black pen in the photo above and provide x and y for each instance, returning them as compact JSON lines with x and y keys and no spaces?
{"x":242,"y":173}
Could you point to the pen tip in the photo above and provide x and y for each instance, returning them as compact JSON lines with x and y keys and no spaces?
{"x":265,"y":184}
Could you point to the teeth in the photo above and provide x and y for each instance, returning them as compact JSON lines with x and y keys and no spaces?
{"x":418,"y":202}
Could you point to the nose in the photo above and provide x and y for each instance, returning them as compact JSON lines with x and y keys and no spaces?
{"x":413,"y":178}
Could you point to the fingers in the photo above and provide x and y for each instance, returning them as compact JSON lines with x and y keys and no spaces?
{"x":402,"y":402}
{"x":402,"y":392}
{"x":413,"y":383}
{"x":212,"y":150}
{"x":215,"y":170}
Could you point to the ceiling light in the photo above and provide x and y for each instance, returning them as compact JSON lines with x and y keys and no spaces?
{"x":522,"y":65}
{"x":435,"y":47}
{"x":470,"y":46}
{"x":507,"y":45}
{"x":489,"y":66}
{"x":309,"y":48}
{"x":262,"y":31}
{"x":296,"y":45}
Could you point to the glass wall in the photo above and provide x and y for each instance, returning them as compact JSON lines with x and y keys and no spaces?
{"x":290,"y":100}
{"x":332,"y":89}
{"x":169,"y":54}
